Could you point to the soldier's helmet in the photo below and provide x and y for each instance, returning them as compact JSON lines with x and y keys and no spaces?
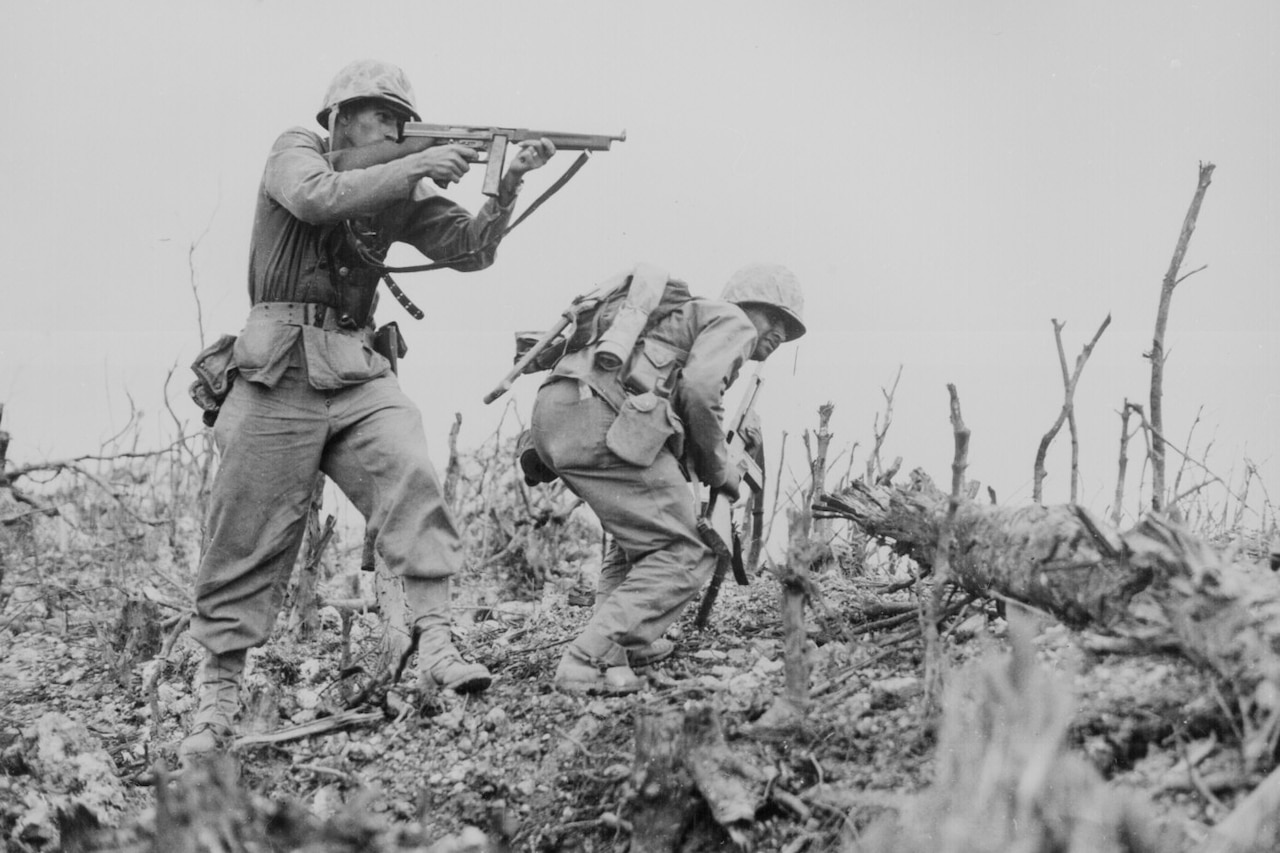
{"x":770,"y":285}
{"x":369,"y":78}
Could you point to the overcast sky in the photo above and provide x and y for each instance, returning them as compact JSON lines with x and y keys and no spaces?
{"x":946,"y":178}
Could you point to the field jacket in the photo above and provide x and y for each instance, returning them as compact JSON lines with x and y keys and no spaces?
{"x":695,"y":352}
{"x":299,"y":254}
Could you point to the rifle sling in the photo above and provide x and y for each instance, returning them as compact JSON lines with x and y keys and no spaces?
{"x":414,"y":311}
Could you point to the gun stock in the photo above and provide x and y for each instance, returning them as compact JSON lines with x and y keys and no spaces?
{"x":567,"y":319}
{"x":525,"y":360}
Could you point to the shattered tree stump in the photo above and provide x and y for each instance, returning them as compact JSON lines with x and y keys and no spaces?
{"x":662,"y":784}
{"x":677,"y":754}
{"x":1155,"y":584}
{"x":136,"y":638}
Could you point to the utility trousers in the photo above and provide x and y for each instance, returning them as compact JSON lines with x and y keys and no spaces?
{"x":650,"y":512}
{"x":274,"y":443}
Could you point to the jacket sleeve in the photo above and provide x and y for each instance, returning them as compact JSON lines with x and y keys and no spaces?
{"x":301,"y":180}
{"x":444,"y":230}
{"x":722,"y":344}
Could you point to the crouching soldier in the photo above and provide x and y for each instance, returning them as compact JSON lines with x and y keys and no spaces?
{"x":313,"y":397}
{"x":623,"y":440}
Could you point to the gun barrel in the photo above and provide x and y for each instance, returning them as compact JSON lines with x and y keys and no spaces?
{"x":563,"y":140}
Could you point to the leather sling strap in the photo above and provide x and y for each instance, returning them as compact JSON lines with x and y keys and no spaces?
{"x":414,"y":311}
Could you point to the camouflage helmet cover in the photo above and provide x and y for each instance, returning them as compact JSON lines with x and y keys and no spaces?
{"x":369,"y":78}
{"x":773,"y":286}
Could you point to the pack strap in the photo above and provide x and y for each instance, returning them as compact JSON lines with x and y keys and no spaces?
{"x":367,"y":257}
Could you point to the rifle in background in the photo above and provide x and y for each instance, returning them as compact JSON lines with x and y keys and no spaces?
{"x":715,"y":525}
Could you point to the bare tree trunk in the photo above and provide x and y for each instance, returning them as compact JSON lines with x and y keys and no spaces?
{"x":934,"y":660}
{"x":663,"y":786}
{"x":305,"y":618}
{"x":454,"y":468}
{"x":1117,"y":507}
{"x":1069,"y":382}
{"x":389,"y":592}
{"x":804,"y":550}
{"x":880,"y":430}
{"x":681,"y":758}
{"x":4,"y":449}
{"x":1157,"y":356}
{"x":817,"y":465}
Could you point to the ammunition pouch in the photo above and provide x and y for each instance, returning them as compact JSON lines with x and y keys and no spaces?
{"x":644,"y":425}
{"x":531,"y":465}
{"x":215,"y":369}
{"x":653,"y":366}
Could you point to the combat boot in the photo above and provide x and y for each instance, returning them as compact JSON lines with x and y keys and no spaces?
{"x":578,"y":674}
{"x":657,"y":651}
{"x":213,"y":725}
{"x":438,"y":659}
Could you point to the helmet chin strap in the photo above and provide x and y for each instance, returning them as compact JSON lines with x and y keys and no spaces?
{"x":333,"y":123}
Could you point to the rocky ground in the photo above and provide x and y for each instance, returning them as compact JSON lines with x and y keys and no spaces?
{"x":81,"y":739}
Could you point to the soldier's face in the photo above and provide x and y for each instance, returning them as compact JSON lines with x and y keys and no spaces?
{"x":369,"y":122}
{"x":771,"y":331}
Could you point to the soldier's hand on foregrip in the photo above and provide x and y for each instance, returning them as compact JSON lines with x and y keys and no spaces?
{"x":751,"y":431}
{"x":533,"y":154}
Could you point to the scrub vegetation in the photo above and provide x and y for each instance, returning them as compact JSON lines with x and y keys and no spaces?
{"x":909,"y":668}
{"x":1039,"y":726}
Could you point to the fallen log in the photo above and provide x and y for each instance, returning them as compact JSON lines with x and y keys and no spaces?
{"x":1155,"y":583}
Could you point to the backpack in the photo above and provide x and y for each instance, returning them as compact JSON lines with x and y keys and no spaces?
{"x":614,"y":318}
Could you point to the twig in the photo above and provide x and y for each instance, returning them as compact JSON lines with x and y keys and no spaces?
{"x":1154,"y":436}
{"x":881,"y":430}
{"x":321,"y":770}
{"x":14,"y":519}
{"x":315,"y":727}
{"x":191,"y":266}
{"x":1177,"y":478}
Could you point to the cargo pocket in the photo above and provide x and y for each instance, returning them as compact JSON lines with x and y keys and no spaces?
{"x":261,"y":351}
{"x":338,"y":359}
{"x":651,"y":366}
{"x":641,"y":429}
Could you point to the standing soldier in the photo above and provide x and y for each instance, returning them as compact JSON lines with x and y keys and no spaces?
{"x":626,"y":454}
{"x":313,"y":397}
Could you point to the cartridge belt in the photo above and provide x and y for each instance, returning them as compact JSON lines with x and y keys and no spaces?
{"x":308,"y":314}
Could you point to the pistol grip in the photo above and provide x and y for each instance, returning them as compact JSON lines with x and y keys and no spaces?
{"x":493,"y":171}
